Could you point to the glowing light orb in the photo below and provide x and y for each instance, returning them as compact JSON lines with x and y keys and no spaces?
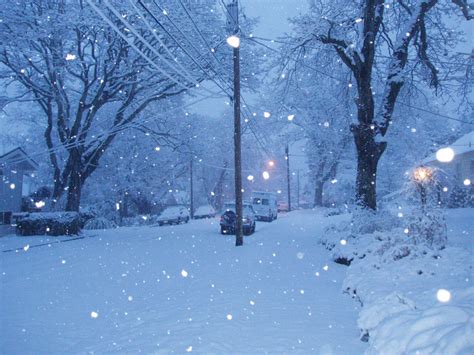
{"x":271,"y":163}
{"x":94,"y":314}
{"x":343,"y":242}
{"x":184,"y":273}
{"x":229,"y":317}
{"x":12,"y":186}
{"x":445,"y":155}
{"x":267,"y":114}
{"x":250,"y":178}
{"x":291,"y":117}
{"x":422,"y":174}
{"x":233,"y":41}
{"x":443,"y":295}
{"x":467,"y":182}
{"x":266,"y":175}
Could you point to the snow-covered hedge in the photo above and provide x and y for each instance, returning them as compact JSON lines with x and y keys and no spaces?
{"x":50,"y":223}
{"x":99,"y":223}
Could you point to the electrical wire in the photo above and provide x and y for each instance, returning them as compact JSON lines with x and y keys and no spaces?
{"x":338,"y":80}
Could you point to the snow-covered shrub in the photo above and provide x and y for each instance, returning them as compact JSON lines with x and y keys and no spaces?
{"x":86,"y":216}
{"x":50,"y":223}
{"x":461,"y":197}
{"x":365,"y":221}
{"x":428,"y":228}
{"x":99,"y":223}
{"x":350,"y":239}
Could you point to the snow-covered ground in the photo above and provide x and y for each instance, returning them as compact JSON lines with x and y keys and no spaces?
{"x":178,"y":289}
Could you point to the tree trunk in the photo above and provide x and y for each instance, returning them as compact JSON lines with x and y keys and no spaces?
{"x":75,"y":184}
{"x":368,"y":155}
{"x":318,"y":193}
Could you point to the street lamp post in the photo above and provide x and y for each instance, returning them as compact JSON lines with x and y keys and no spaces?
{"x":422,"y":176}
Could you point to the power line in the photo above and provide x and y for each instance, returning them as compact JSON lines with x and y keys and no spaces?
{"x":377,"y":55}
{"x":339,"y":80}
{"x":128,"y":40}
{"x":179,"y":44}
{"x":185,"y":73}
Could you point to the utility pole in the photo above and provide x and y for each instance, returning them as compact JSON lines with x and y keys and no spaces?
{"x":191,"y":188}
{"x":233,"y":21}
{"x":288,"y":177}
{"x":298,"y":188}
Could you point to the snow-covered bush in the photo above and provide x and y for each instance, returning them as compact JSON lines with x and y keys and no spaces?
{"x":50,"y":223}
{"x":461,"y":197}
{"x":99,"y":223}
{"x":428,"y":228}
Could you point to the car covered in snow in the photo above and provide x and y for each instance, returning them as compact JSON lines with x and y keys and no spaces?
{"x":173,"y":215}
{"x":205,"y":211}
{"x":229,"y":219}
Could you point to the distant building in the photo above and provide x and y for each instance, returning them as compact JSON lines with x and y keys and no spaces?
{"x":461,"y":168}
{"x":14,"y":165}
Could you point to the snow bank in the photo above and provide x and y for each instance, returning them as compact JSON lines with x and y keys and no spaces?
{"x":396,"y":274}
{"x":443,"y":329}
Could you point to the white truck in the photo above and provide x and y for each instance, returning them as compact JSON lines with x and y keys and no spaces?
{"x":265,"y":205}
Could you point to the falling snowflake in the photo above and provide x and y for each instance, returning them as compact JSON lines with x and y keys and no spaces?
{"x":94,"y":314}
{"x":443,"y":295}
{"x":229,"y":317}
{"x":184,"y":273}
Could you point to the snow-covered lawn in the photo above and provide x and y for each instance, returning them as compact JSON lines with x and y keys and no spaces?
{"x":177,"y":289}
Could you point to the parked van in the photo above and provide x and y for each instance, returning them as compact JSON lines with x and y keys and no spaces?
{"x":265,"y":205}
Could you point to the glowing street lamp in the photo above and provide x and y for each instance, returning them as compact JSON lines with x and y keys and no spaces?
{"x":422,"y":175}
{"x":233,"y":41}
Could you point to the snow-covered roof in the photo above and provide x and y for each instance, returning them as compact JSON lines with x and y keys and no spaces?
{"x":462,"y":145}
{"x":19,"y":159}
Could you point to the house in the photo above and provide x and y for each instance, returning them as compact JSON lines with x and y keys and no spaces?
{"x":461,"y":168}
{"x":14,"y":165}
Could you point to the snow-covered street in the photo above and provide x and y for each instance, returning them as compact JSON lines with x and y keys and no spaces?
{"x":177,"y":289}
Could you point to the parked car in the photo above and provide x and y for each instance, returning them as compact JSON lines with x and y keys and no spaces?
{"x":205,"y":211}
{"x":282,"y":206}
{"x":229,"y":219}
{"x":173,"y":215}
{"x":265,"y":206}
